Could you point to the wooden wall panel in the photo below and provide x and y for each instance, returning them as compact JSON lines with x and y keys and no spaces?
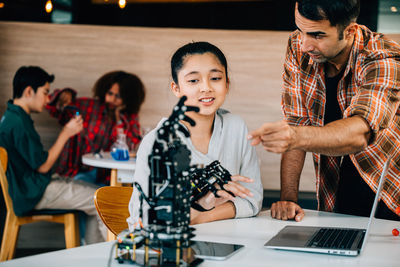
{"x":79,"y":54}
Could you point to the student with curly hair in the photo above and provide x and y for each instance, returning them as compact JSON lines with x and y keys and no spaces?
{"x":118,"y":96}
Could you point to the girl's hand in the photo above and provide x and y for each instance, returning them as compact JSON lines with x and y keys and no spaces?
{"x":209,"y":201}
{"x":118,"y":112}
{"x":236,"y":188}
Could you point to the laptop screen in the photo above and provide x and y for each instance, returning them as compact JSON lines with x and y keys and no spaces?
{"x":382,"y":180}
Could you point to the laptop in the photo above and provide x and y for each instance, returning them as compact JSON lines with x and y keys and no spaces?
{"x":329,"y":240}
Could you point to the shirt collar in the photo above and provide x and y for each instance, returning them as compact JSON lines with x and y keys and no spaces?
{"x":17,"y":109}
{"x":358,"y":45}
{"x":218,"y":121}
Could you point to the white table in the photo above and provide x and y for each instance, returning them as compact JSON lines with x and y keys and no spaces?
{"x":382,"y":249}
{"x":121,"y":171}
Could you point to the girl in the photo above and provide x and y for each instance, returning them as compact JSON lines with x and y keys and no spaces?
{"x":200,"y":72}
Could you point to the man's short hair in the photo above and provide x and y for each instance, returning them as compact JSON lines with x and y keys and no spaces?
{"x":339,"y":12}
{"x":32,"y":76}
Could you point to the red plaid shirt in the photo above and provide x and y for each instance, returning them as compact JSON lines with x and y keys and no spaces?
{"x":369,"y":89}
{"x":99,"y":133}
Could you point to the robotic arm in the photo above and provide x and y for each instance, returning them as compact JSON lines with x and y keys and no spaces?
{"x":173,"y":188}
{"x":168,"y":229}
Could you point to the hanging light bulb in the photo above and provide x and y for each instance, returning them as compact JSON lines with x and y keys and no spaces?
{"x":49,"y":6}
{"x":122,"y":3}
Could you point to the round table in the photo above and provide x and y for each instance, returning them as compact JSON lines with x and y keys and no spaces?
{"x":121,"y":171}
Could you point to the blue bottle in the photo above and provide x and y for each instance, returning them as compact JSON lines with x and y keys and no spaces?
{"x":120,"y":150}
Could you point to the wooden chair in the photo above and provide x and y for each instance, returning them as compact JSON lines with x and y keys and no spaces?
{"x":112,"y":205}
{"x":13,"y":223}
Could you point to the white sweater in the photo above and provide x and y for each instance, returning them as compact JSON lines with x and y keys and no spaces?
{"x":228,"y":144}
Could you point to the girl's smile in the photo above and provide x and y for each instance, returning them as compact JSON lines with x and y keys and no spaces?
{"x":207,"y":101}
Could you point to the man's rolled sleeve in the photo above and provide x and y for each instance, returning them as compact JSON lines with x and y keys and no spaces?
{"x":376,"y":101}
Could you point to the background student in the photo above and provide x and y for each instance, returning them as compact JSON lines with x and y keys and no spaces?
{"x":29,"y":165}
{"x":118,"y":96}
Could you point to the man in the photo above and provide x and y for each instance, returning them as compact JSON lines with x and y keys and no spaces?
{"x":29,"y":166}
{"x":340,"y":101}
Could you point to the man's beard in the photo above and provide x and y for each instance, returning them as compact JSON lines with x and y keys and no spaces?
{"x":321,"y":59}
{"x":324,"y":59}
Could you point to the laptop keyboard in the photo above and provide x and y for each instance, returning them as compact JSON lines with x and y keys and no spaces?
{"x":333,"y":238}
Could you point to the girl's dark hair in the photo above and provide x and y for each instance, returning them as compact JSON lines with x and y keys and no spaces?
{"x":131,"y":89}
{"x":32,"y":76}
{"x":177,"y":60}
{"x":338,"y":12}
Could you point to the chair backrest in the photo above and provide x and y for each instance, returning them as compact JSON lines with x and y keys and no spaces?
{"x":3,"y":158}
{"x":112,"y":205}
{"x":3,"y":179}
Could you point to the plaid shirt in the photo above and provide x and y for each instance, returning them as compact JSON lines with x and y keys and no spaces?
{"x":369,"y":89}
{"x":99,"y":133}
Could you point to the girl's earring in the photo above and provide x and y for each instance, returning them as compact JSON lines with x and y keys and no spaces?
{"x":175,"y":88}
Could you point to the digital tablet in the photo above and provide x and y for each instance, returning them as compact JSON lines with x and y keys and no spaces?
{"x":214,"y":251}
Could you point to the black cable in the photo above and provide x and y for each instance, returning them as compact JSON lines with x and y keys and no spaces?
{"x":137,"y":185}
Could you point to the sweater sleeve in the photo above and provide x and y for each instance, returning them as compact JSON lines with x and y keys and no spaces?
{"x":141,"y":176}
{"x":249,"y":206}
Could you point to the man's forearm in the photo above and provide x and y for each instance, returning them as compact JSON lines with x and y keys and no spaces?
{"x":291,"y":167}
{"x":341,"y":137}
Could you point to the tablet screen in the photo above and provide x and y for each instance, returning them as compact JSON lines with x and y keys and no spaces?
{"x":214,"y":251}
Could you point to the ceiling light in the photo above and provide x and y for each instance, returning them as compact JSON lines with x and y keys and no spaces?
{"x":49,"y":6}
{"x":122,"y":3}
